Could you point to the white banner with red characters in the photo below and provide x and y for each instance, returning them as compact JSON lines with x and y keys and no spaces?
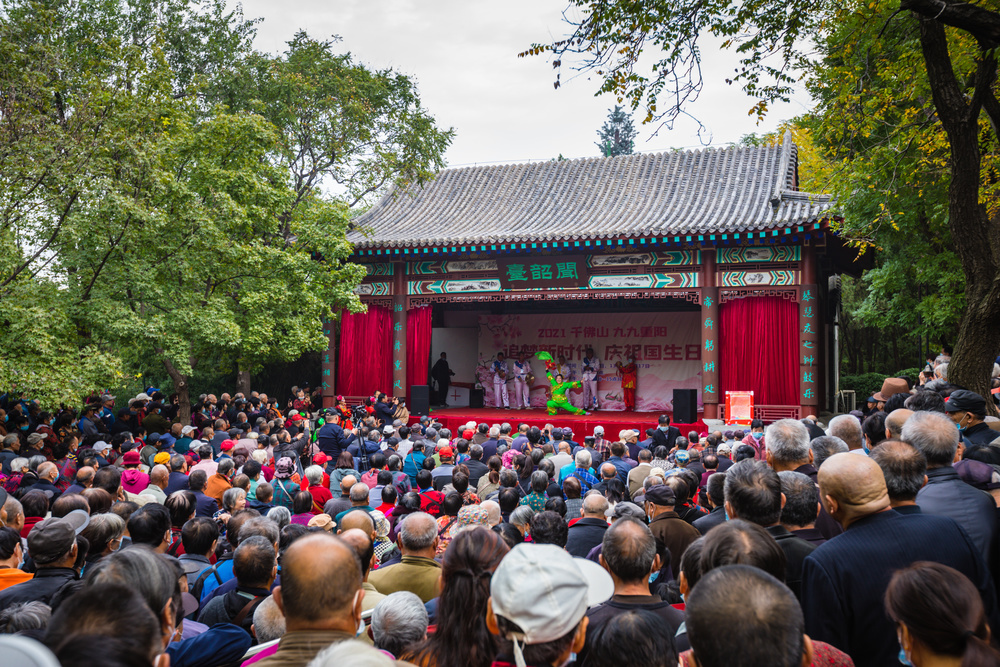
{"x":666,"y":348}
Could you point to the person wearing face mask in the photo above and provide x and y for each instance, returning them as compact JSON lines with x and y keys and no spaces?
{"x":11,"y":559}
{"x":947,"y":628}
{"x":967,"y":410}
{"x":665,"y":435}
{"x":756,"y":439}
{"x":320,"y":597}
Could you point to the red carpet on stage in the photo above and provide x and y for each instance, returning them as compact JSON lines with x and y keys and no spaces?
{"x":582,"y":425}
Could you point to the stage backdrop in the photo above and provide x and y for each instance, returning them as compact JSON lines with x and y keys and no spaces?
{"x":666,"y":346}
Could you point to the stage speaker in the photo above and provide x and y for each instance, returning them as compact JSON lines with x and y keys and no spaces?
{"x":475,"y":398}
{"x":420,"y":399}
{"x":685,"y":406}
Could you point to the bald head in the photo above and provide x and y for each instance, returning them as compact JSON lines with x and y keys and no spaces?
{"x":852,"y":487}
{"x":608,"y":471}
{"x":362,"y":544}
{"x":347,"y":483}
{"x":894,"y":422}
{"x":320,"y":579}
{"x":360,"y":520}
{"x":159,"y":476}
{"x":85,"y":476}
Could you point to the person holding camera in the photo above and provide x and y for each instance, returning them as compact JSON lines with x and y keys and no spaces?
{"x":386,"y":409}
{"x":331,"y":437}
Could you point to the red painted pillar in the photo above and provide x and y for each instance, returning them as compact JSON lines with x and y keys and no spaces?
{"x":399,"y":290}
{"x":810,"y":356}
{"x":709,"y":334}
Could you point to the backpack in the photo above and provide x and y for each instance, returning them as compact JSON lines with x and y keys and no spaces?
{"x":213,"y":570}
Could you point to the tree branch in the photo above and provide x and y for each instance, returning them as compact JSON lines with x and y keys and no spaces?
{"x":981,"y":23}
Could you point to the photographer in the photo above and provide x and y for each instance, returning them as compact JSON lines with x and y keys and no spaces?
{"x":385,"y":410}
{"x":331,"y":437}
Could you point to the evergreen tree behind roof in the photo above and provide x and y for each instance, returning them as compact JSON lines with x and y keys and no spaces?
{"x":617,"y":135}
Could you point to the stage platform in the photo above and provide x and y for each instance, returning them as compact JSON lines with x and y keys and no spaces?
{"x":582,"y":425}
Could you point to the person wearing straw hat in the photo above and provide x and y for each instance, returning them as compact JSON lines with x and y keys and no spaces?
{"x":539,"y":596}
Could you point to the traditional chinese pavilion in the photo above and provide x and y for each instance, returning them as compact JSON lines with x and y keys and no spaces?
{"x":709,"y":267}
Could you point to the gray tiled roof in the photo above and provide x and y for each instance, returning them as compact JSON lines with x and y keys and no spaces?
{"x":703,"y":191}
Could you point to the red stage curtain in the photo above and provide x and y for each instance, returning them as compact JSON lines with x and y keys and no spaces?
{"x":365,"y":361}
{"x":418,"y":346}
{"x":759,"y":349}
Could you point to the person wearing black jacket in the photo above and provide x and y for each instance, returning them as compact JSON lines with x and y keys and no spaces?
{"x":331,"y":437}
{"x":385,"y":409}
{"x":665,"y":434}
{"x":753,"y":493}
{"x":53,"y":546}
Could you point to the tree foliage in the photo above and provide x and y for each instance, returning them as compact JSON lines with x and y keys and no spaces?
{"x":617,"y":135}
{"x":911,"y":86}
{"x":172,"y":196}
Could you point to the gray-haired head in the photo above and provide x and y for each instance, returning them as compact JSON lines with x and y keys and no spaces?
{"x":508,"y":478}
{"x":148,"y":573}
{"x":933,"y":434}
{"x":826,"y":446}
{"x":230,"y":497}
{"x":787,"y":441}
{"x":314,"y":474}
{"x":848,"y":429}
{"x":264,"y":526}
{"x":23,"y":616}
{"x":226,"y":466}
{"x":280,"y":515}
{"x":583,"y":459}
{"x":399,"y":622}
{"x":268,"y":621}
{"x":521,"y":516}
{"x":351,"y":652}
{"x":418,"y":531}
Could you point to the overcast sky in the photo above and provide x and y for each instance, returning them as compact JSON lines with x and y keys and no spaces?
{"x":463,"y":54}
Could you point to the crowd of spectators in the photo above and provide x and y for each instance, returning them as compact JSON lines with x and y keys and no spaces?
{"x":294,"y":536}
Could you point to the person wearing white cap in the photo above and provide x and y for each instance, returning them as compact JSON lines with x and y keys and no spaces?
{"x":539,"y":596}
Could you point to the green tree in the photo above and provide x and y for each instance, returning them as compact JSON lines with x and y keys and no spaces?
{"x":345,"y":132}
{"x":178,"y":198}
{"x":954,"y":52}
{"x":617,"y":135}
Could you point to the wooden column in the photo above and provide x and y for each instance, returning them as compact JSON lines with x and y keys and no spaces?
{"x":709,"y":335}
{"x":329,"y":365}
{"x":809,"y":336}
{"x":399,"y":289}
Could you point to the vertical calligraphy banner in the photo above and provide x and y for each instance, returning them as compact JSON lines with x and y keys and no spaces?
{"x":809,"y":323}
{"x":327,"y":368}
{"x":709,"y":336}
{"x":399,"y":387}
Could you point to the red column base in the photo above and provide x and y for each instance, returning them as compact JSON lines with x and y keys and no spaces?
{"x":711,"y":411}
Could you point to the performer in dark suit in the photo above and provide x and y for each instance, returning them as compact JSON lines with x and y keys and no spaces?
{"x":442,"y":374}
{"x":844,"y":580}
{"x":666,"y":434}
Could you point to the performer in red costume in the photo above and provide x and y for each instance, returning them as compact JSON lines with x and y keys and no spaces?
{"x":630,"y":374}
